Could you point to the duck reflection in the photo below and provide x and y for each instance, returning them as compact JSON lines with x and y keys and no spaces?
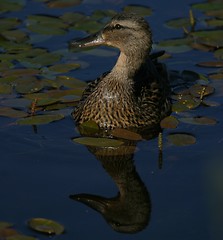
{"x":129,"y":211}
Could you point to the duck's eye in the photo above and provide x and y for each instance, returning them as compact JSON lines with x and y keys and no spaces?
{"x":118,"y":26}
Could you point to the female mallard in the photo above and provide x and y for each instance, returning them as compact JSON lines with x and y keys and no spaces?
{"x":135,"y":92}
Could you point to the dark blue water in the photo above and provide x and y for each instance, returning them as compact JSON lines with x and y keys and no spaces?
{"x":39,"y":171}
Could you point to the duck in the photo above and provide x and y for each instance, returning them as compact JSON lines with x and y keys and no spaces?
{"x":135,"y":93}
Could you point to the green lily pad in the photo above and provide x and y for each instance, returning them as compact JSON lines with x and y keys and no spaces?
{"x":178,"y":45}
{"x":28,"y":85}
{"x":216,"y":76}
{"x":21,"y":237}
{"x":199,"y":90}
{"x":199,"y":120}
{"x":211,"y":38}
{"x":117,"y":151}
{"x":210,"y":6}
{"x":5,"y":88}
{"x":12,"y":113}
{"x":64,"y":67}
{"x":169,"y":122}
{"x":15,"y":35}
{"x":5,"y":225}
{"x":46,"y":25}
{"x":216,"y":64}
{"x":70,"y":82}
{"x":39,"y":119}
{"x":20,"y":72}
{"x":63,"y":3}
{"x":8,"y":23}
{"x":181,"y":139}
{"x":138,"y":9}
{"x":214,"y":22}
{"x":219,"y":53}
{"x":98,"y":142}
{"x":46,"y":226}
{"x":126,"y":134}
{"x":11,"y":5}
{"x":178,"y":23}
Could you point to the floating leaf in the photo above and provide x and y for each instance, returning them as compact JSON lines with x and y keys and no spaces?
{"x":211,"y":64}
{"x":63,"y":3}
{"x":12,"y":113}
{"x":210,"y":38}
{"x":138,"y":9}
{"x":98,"y":142}
{"x":15,"y":35}
{"x":199,"y":90}
{"x":70,"y":82}
{"x":21,"y":237}
{"x":216,"y":76}
{"x":169,"y":122}
{"x":5,"y":225}
{"x":64,"y":67}
{"x":219,"y":53}
{"x":208,"y":6}
{"x":20,"y":72}
{"x":208,"y":103}
{"x":11,"y":5}
{"x":40,"y":119}
{"x":16,"y":102}
{"x":179,"y":107}
{"x":178,"y":45}
{"x":46,"y":226}
{"x":199,"y":120}
{"x":5,"y":88}
{"x":181,"y":139}
{"x":6,"y":233}
{"x":215,"y":22}
{"x":8,"y":23}
{"x":178,"y":23}
{"x":126,"y":134}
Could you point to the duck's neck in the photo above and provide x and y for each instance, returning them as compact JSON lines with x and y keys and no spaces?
{"x":128,"y":64}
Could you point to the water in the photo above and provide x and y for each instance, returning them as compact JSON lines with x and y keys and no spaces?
{"x":39,"y":171}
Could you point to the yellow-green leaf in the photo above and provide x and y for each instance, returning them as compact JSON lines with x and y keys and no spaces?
{"x":46,"y":226}
{"x":181,"y":139}
{"x":40,"y":119}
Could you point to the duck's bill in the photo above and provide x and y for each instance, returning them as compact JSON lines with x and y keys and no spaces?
{"x":90,"y":41}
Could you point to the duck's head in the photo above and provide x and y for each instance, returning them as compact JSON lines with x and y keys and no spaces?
{"x":126,"y":31}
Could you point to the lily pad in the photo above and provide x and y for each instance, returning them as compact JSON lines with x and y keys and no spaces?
{"x":126,"y":134}
{"x":63,"y":3}
{"x":39,"y":119}
{"x":8,"y":23}
{"x":98,"y":142}
{"x":199,"y":120}
{"x":215,"y":22}
{"x":216,"y":64}
{"x":64,"y":67}
{"x":178,"y":45}
{"x":181,"y":139}
{"x":138,"y":9}
{"x":5,"y":225}
{"x":46,"y":226}
{"x":11,"y":5}
{"x":12,"y":113}
{"x":178,"y":23}
{"x":169,"y":122}
{"x":210,"y":6}
{"x":21,"y":237}
{"x":15,"y":35}
{"x":211,"y":38}
{"x":199,"y":90}
{"x":5,"y":88}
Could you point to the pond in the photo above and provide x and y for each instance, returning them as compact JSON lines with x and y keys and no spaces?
{"x":168,"y":187}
